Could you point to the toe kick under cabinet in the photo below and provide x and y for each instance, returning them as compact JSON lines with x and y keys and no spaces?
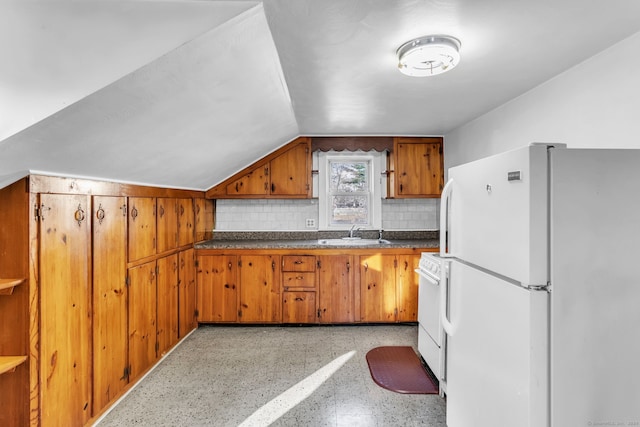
{"x":307,"y":286}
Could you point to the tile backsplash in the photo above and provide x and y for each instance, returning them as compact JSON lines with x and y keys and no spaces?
{"x":302,"y":214}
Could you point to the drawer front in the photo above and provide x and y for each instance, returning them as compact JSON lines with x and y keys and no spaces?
{"x":298,"y":263}
{"x":298,"y":280}
{"x":299,"y":307}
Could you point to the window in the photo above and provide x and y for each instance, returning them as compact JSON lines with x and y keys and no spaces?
{"x":349,"y":190}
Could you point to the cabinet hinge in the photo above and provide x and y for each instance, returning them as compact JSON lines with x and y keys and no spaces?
{"x":127,"y":281}
{"x":239,"y":263}
{"x":318,"y":313}
{"x":157,"y":269}
{"x":196,"y":313}
{"x":197,"y":263}
{"x":395,"y":263}
{"x":157,"y":346}
{"x":36,"y":213}
{"x":239,"y":313}
{"x":319,"y":264}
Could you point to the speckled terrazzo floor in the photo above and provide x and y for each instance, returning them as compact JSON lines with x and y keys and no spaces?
{"x":223,"y":376}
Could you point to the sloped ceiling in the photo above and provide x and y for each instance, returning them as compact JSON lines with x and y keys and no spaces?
{"x":185,"y":93}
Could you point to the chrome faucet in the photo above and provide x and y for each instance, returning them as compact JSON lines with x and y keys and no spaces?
{"x":352,"y":230}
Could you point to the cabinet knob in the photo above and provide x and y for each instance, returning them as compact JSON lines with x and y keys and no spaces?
{"x":79,"y":215}
{"x":100,"y":214}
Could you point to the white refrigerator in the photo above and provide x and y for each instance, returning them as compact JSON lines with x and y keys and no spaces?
{"x":541,"y":307}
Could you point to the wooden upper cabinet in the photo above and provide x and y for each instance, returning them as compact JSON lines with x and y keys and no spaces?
{"x":186,"y":220}
{"x":285,"y":173}
{"x":418,"y":167}
{"x":142,"y":227}
{"x":167,"y":211}
{"x":290,"y":172}
{"x":254,"y":183}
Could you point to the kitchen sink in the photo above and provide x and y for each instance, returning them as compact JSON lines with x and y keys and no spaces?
{"x":352,"y":241}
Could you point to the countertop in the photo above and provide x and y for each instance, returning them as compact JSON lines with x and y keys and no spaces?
{"x":313,"y":240}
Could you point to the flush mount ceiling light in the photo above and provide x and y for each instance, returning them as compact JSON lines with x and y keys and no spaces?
{"x":428,"y":55}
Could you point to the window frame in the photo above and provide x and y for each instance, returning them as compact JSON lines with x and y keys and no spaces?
{"x":375,"y":161}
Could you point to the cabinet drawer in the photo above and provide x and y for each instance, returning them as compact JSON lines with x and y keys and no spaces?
{"x":298,"y":280}
{"x":298,"y":263}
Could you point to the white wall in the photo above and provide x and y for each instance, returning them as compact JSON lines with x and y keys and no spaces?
{"x":592,"y":105}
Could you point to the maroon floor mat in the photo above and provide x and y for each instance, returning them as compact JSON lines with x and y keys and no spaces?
{"x":399,"y":369}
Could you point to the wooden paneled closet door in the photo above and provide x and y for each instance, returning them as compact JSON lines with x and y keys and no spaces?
{"x":109,"y":299}
{"x":186,"y":292}
{"x":167,"y":283}
{"x":142,"y":318}
{"x":65,"y":304}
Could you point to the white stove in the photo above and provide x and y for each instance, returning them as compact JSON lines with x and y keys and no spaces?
{"x":431,"y":338}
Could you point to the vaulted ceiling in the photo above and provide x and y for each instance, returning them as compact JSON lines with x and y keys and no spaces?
{"x":184,"y":93}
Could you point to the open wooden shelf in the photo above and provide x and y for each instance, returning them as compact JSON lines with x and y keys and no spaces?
{"x":7,"y":285}
{"x":9,"y":363}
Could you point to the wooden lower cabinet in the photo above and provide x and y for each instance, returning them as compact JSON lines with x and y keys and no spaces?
{"x":389,"y":288}
{"x":336,"y":283}
{"x":186,"y":292}
{"x":378,"y":288}
{"x":65,"y":310}
{"x":259,"y":289}
{"x":299,"y":307}
{"x":167,"y":303}
{"x":109,"y":299}
{"x":217,"y":290}
{"x":407,"y":288}
{"x":316,"y":286}
{"x":142,"y":318}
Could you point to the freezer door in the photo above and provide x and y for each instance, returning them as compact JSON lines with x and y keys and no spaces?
{"x":488,"y":353}
{"x":595,"y":296}
{"x":498,"y":214}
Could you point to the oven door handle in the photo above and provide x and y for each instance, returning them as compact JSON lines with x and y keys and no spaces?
{"x":425,"y":276}
{"x":448,"y":327}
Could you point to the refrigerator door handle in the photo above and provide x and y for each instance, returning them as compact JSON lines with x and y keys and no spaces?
{"x":445,"y":250}
{"x":445,"y":277}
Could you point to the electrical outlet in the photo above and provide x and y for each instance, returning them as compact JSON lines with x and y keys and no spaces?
{"x":310,"y":223}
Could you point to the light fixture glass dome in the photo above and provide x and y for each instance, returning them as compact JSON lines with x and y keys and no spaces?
{"x":428,"y":55}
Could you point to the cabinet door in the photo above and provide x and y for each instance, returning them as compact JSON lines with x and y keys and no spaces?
{"x":407,"y":288}
{"x":186,"y":221}
{"x":290,"y":172}
{"x":109,"y":299}
{"x":377,"y":288}
{"x":217,"y":294}
{"x":142,"y":227}
{"x":167,"y":226}
{"x":337,"y":289}
{"x":186,"y":292}
{"x":65,"y":310}
{"x":142,"y":318}
{"x":419,"y":168}
{"x":259,"y":289}
{"x":167,"y":303}
{"x":255,"y":182}
{"x":299,"y":307}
